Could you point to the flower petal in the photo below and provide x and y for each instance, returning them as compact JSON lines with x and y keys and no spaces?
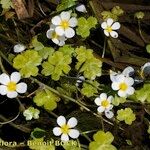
{"x":73,"y":22}
{"x":129,"y":81}
{"x":130,"y":91}
{"x":4,"y":79}
{"x":19,"y":48}
{"x":113,"y":76}
{"x":109,"y":107}
{"x":110,"y":98}
{"x":56,"y":20}
{"x":65,"y":15}
{"x":49,"y":33}
{"x":72,"y":122}
{"x":21,"y":87}
{"x":116,"y":26}
{"x":120,"y":78}
{"x":122,"y":93}
{"x":97,"y":101}
{"x":128,"y":71}
{"x":73,"y":133}
{"x":115,"y":86}
{"x":64,"y":137}
{"x":15,"y":77}
{"x":104,"y":25}
{"x":3,"y":90}
{"x":114,"y":34}
{"x":61,"y":43}
{"x":61,"y":120}
{"x":69,"y":32}
{"x":109,"y":114}
{"x":106,"y":32}
{"x":59,"y":30}
{"x":57,"y":131}
{"x":56,"y":41}
{"x":103,"y":96}
{"x":81,"y":8}
{"x":12,"y":94}
{"x":100,"y":109}
{"x":109,"y":21}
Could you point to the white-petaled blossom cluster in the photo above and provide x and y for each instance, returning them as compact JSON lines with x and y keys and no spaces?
{"x":110,"y":27}
{"x":122,"y":82}
{"x":30,"y":113}
{"x":104,"y":103}
{"x":62,"y":28}
{"x":10,"y":86}
{"x":66,"y":128}
{"x":19,"y":48}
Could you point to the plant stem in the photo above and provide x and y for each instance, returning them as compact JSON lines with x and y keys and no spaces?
{"x":63,"y":95}
{"x":19,"y":127}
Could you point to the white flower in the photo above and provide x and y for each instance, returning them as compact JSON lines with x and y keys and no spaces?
{"x":19,"y":48}
{"x":66,"y":128}
{"x":9,"y":85}
{"x":105,"y":105}
{"x":109,"y":26}
{"x":123,"y":85}
{"x":30,"y":113}
{"x":64,"y":24}
{"x":127,"y":72}
{"x":81,"y":8}
{"x":80,"y":80}
{"x":51,"y":34}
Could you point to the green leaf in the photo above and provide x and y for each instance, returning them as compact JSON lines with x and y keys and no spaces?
{"x":90,"y":89}
{"x":143,"y":94}
{"x":108,"y":14}
{"x":38,"y":133}
{"x":64,"y":4}
{"x":103,"y":138}
{"x":6,"y":4}
{"x":148,"y":48}
{"x":67,"y":50}
{"x":139,"y":15}
{"x":126,"y":115}
{"x":117,"y":11}
{"x":118,"y":100}
{"x":102,"y":141}
{"x":67,"y":89}
{"x":27,"y":63}
{"x":47,"y":99}
{"x":38,"y":144}
{"x":45,"y":52}
{"x":84,"y":26}
{"x":57,"y":65}
{"x":87,"y":63}
{"x":36,"y":44}
{"x":114,"y":13}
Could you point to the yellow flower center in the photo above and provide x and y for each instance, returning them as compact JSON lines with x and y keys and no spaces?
{"x":11,"y":86}
{"x":109,"y":29}
{"x":123,"y":86}
{"x":105,"y":103}
{"x":65,"y":24}
{"x":54,"y":35}
{"x":65,"y":129}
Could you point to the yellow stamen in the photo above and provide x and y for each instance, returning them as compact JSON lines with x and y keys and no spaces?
{"x":11,"y":86}
{"x":65,"y":24}
{"x":54,"y":35}
{"x":109,"y":29}
{"x":123,"y":86}
{"x":105,"y":103}
{"x":65,"y":129}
